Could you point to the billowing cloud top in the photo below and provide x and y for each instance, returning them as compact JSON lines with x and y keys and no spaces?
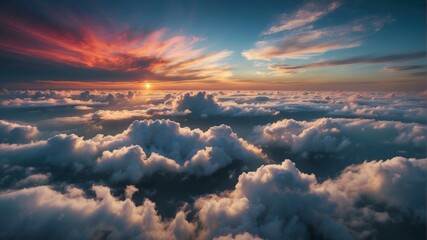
{"x":212,"y":165}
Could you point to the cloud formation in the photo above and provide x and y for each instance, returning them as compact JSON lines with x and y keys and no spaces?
{"x":81,"y":41}
{"x":209,"y":199}
{"x":309,"y":13}
{"x":72,"y":215}
{"x":329,"y":135}
{"x":17,"y":133}
{"x":334,"y":209}
{"x":356,"y":60}
{"x":146,"y":147}
{"x":205,"y":104}
{"x":298,"y":46}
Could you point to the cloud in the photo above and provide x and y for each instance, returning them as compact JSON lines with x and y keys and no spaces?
{"x":260,"y":204}
{"x":306,"y":42}
{"x":206,"y":104}
{"x":309,"y":13}
{"x":299,"y":46}
{"x":81,"y":41}
{"x":143,"y":149}
{"x":272,"y":202}
{"x":241,"y":236}
{"x":85,"y":100}
{"x":360,"y":189}
{"x":28,"y":102}
{"x":329,"y":135}
{"x":130,"y":190}
{"x":415,"y":70}
{"x":44,"y":212}
{"x":278,"y":201}
{"x":355,"y":60}
{"x":131,"y":163}
{"x":83,"y":108}
{"x":405,"y":68}
{"x":391,"y":107}
{"x":35,"y":179}
{"x":200,"y":104}
{"x":17,"y":133}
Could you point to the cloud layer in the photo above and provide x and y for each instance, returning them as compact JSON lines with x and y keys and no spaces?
{"x":328,"y":135}
{"x":146,"y":147}
{"x":62,"y":164}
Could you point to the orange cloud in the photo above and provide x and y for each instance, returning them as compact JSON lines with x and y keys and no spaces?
{"x":82,"y":42}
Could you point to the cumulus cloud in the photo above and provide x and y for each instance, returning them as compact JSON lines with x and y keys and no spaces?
{"x":144,"y":148}
{"x":329,"y":135}
{"x":278,"y":201}
{"x":260,"y":204}
{"x":203,"y":103}
{"x":132,"y":163}
{"x":17,"y":133}
{"x":381,"y":106}
{"x":275,"y":201}
{"x":395,"y":183}
{"x":42,"y":212}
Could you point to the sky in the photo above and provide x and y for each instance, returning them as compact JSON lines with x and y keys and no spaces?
{"x":213,"y":45}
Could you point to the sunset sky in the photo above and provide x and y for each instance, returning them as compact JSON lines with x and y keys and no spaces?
{"x":286,"y":45}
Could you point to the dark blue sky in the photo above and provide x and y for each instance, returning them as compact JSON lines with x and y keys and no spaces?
{"x":234,"y":44}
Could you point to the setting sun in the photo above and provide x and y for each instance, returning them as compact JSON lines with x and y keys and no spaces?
{"x":147,"y":86}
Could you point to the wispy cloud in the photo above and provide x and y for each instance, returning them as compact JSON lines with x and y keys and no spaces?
{"x":354,"y":60}
{"x":84,"y":42}
{"x":309,"y":13}
{"x":405,"y":68}
{"x":299,"y":46}
{"x":306,"y":43}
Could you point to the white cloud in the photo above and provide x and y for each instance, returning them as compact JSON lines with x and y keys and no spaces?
{"x":41,"y":212}
{"x":203,"y":103}
{"x":333,"y":135}
{"x":278,"y":201}
{"x":274,"y":202}
{"x":144,"y":148}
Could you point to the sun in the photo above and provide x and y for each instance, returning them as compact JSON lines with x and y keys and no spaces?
{"x":147,"y":86}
